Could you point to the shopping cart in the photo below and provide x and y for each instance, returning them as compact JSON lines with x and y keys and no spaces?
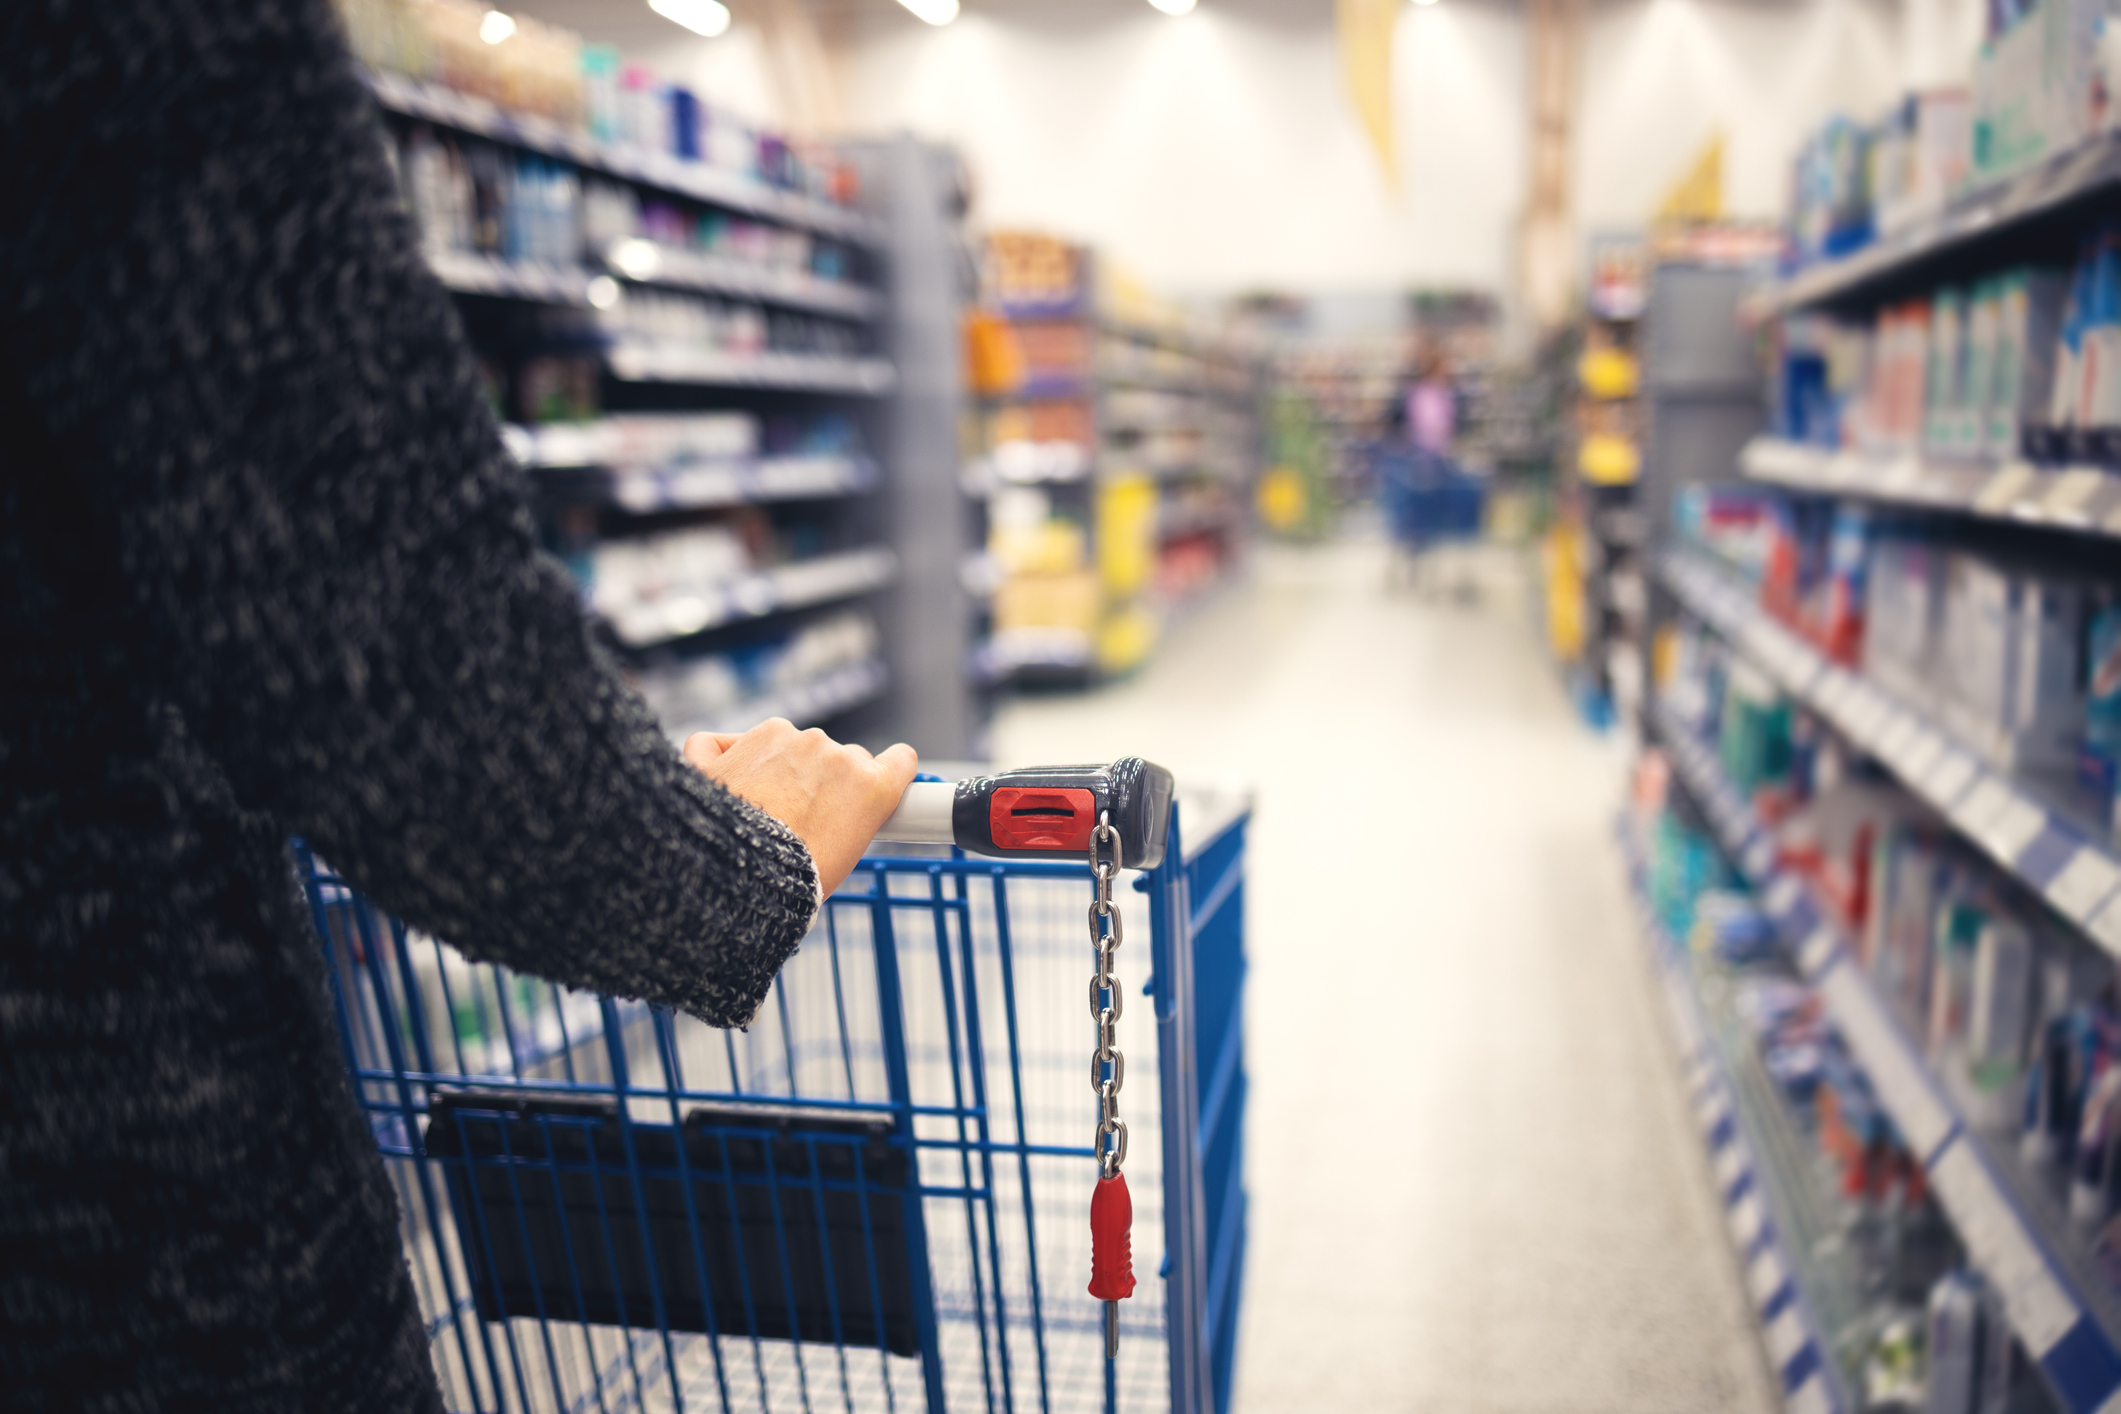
{"x":876,"y":1197}
{"x":1429,"y":502}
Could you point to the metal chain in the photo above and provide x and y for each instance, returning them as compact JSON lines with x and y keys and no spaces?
{"x":1108,"y":1068}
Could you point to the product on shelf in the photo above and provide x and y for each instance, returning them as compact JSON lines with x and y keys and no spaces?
{"x":1830,"y":201}
{"x":733,"y":689}
{"x":546,"y":72}
{"x":1920,"y":155}
{"x":2005,"y":649}
{"x":1983,"y":372}
{"x":1025,"y":268}
{"x":1829,"y":1181}
{"x":2011,"y":1008}
{"x":2045,"y":82}
{"x":1107,"y":447}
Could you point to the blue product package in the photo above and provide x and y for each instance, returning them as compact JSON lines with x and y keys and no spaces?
{"x":684,"y":123}
{"x":2102,"y":695}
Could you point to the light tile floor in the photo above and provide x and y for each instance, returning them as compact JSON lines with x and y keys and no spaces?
{"x":1475,"y":1186}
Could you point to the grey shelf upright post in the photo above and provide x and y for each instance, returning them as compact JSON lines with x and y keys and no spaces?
{"x":927,"y":618}
{"x":1701,"y":392}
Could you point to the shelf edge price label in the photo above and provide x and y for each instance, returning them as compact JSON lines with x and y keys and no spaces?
{"x":2040,"y":1311}
{"x":1921,"y":754}
{"x":1816,"y":951}
{"x":2105,"y":927}
{"x":2084,"y":883}
{"x":1781,"y":895}
{"x":2071,"y":492}
{"x":1981,"y":807}
{"x":2016,"y":824}
{"x":2004,"y":488}
{"x":1953,"y":772}
{"x":1897,"y":1074}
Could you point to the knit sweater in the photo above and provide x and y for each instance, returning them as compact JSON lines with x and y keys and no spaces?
{"x":267,"y":571}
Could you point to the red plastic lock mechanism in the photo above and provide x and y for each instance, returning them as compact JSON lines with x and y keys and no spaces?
{"x":1111,"y":1239}
{"x":1041,"y":817}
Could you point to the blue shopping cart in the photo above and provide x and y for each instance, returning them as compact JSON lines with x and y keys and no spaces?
{"x":1429,"y":501}
{"x":876,"y":1197}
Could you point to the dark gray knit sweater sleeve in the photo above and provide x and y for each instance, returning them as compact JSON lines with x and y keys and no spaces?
{"x":216,"y":303}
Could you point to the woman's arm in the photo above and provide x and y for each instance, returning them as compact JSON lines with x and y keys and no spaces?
{"x":218,"y":310}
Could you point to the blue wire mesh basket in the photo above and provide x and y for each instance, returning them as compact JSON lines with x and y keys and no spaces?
{"x":876,"y":1197}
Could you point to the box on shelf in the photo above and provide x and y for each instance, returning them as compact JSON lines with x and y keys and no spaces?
{"x":2028,"y":323}
{"x":1920,"y":156}
{"x":2042,"y":85}
{"x":1071,"y":600}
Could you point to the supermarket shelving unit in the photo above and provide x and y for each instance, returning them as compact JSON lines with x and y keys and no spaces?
{"x":2084,"y":499}
{"x":2026,"y":824}
{"x":2058,"y":1291}
{"x":1350,"y":384}
{"x":2012,"y":1224}
{"x":1145,"y":434}
{"x":1601,"y":491}
{"x":1769,"y":1195}
{"x":888,"y":531}
{"x":2038,"y":211}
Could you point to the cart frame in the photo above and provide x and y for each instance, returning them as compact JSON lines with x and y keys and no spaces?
{"x":992,"y":1223}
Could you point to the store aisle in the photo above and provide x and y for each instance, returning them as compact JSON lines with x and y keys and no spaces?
{"x":1475,"y":1185}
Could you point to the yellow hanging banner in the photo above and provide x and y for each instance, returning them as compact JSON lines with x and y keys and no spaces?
{"x":1697,"y":197}
{"x":1365,"y":28}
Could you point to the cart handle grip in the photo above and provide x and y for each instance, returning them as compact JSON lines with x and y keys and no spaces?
{"x":1041,"y":812}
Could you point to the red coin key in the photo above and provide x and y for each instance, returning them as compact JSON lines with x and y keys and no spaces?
{"x":1118,"y":815}
{"x":1111,"y":1251}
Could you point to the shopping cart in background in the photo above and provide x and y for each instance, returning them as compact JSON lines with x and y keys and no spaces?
{"x":1429,"y":502}
{"x":875,"y":1198}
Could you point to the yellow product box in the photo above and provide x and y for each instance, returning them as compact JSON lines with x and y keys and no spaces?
{"x":1050,"y":547}
{"x":1048,"y":601}
{"x":1126,"y":533}
{"x":1125,"y":639}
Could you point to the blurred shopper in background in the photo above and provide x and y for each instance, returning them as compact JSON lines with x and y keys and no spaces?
{"x":1432,"y":405}
{"x":269,"y":571}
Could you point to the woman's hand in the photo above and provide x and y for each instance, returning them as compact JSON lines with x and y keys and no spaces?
{"x":833,"y":796}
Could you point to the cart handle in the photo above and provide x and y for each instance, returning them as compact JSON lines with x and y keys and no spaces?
{"x":1040,"y":812}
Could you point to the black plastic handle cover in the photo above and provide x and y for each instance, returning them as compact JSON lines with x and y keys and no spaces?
{"x":1135,"y":794}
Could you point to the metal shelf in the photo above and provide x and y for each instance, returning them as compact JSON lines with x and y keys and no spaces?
{"x":416,"y":98}
{"x":470,"y":273}
{"x":788,"y":372}
{"x":2053,"y":854}
{"x":647,"y":263}
{"x":2011,"y":1231}
{"x":2089,"y":170}
{"x":813,"y":700}
{"x":791,"y":586}
{"x":682,"y":484}
{"x":2083,"y":499}
{"x":1009,"y":652}
{"x":1789,"y":1328}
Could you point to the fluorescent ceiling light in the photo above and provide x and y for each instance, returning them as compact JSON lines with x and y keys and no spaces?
{"x":1174,"y":7}
{"x":496,"y":27}
{"x":703,"y":17}
{"x":935,"y":12}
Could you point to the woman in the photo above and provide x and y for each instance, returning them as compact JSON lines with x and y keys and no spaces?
{"x":269,"y":572}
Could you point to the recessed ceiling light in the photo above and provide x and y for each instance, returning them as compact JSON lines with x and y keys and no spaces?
{"x":1175,"y":7}
{"x":703,"y":17}
{"x":935,"y":12}
{"x":496,"y":27}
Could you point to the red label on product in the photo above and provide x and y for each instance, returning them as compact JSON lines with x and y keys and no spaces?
{"x":1032,"y":817}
